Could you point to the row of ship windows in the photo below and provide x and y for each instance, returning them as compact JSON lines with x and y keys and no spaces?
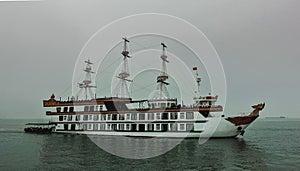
{"x":86,"y":109}
{"x":130,"y":116}
{"x":138,"y":127}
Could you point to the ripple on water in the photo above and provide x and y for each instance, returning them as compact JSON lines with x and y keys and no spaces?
{"x":265,"y":146}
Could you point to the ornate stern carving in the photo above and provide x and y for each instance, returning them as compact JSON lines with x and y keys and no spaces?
{"x":52,"y":97}
{"x":51,"y":102}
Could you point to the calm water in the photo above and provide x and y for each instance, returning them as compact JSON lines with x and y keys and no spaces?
{"x":267,"y":145}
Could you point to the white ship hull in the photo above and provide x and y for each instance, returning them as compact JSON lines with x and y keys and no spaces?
{"x":212,"y":128}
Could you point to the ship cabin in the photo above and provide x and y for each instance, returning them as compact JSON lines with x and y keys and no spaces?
{"x":108,"y":105}
{"x":163,"y":103}
{"x":206,"y":101}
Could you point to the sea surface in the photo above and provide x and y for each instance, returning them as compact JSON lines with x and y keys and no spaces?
{"x":268,"y":144}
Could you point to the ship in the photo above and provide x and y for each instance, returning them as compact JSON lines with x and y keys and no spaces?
{"x":158,"y":116}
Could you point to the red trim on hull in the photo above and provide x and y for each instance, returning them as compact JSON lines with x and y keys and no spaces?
{"x":241,"y":120}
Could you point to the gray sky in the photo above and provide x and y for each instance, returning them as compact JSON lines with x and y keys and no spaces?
{"x":257,"y":41}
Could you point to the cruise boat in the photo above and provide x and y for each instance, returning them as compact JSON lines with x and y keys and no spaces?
{"x":159,"y":116}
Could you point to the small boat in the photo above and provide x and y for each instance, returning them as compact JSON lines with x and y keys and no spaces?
{"x":275,"y":117}
{"x":39,"y":128}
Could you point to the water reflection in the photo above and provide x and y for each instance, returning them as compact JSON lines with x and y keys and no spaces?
{"x":65,"y":151}
{"x":135,"y":148}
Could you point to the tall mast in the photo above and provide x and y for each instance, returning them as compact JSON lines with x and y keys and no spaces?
{"x":86,"y":83}
{"x":198,"y":80}
{"x":161,"y":79}
{"x":124,"y":74}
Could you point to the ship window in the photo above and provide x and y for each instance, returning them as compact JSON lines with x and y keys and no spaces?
{"x":173,"y":105}
{"x":157,"y":127}
{"x":133,"y":127}
{"x":89,"y":126}
{"x":58,"y":109}
{"x":121,"y":127}
{"x":103,"y":117}
{"x":133,"y":116}
{"x":150,"y":116}
{"x":164,"y":127}
{"x":173,"y":127}
{"x":65,"y":109}
{"x":141,"y":116}
{"x":165,"y":116}
{"x":101,"y":107}
{"x":121,"y":117}
{"x":86,"y":108}
{"x":73,"y":127}
{"x":128,"y":116}
{"x":102,"y":127}
{"x":108,"y":127}
{"x":65,"y":118}
{"x":84,"y":126}
{"x":61,"y":118}
{"x":128,"y":127}
{"x":70,"y":118}
{"x":109,"y":117}
{"x":181,"y":115}
{"x":189,"y":115}
{"x":150,"y":127}
{"x":158,"y":116}
{"x":181,"y":127}
{"x":77,"y":118}
{"x":96,"y":117}
{"x":85,"y":117}
{"x":189,"y":127}
{"x":173,"y":115}
{"x":141,"y":127}
{"x":114,"y":116}
{"x":114,"y":127}
{"x":91,"y":108}
{"x":95,"y":127}
{"x":71,"y":109}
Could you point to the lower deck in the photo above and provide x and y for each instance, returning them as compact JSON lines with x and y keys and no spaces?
{"x":132,"y":127}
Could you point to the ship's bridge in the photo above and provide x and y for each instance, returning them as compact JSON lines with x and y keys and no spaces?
{"x":163,"y":103}
{"x":205,"y":101}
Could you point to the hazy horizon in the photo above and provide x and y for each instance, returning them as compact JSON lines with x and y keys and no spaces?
{"x":257,"y":42}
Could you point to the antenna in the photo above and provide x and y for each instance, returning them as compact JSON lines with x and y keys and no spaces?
{"x":163,"y":74}
{"x":198,"y":80}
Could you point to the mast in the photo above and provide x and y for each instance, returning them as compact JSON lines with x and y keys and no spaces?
{"x":124,"y":74}
{"x":86,"y":83}
{"x":161,"y":79}
{"x":198,"y":80}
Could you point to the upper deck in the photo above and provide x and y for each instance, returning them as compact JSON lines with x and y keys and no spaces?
{"x":52,"y":102}
{"x":184,"y":109}
{"x":120,"y":105}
